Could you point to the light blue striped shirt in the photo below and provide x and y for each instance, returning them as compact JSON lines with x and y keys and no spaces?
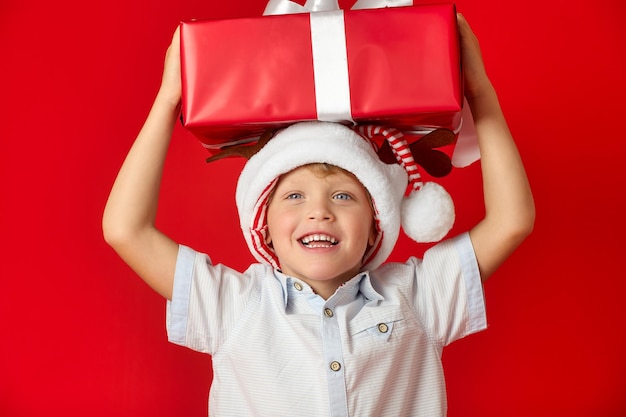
{"x":372,"y":349}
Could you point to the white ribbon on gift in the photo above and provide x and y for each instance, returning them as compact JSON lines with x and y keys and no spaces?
{"x":330,"y":66}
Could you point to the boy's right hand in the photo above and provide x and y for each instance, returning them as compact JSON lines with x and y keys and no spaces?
{"x":171,"y":80}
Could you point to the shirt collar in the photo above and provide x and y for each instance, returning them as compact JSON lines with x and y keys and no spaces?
{"x":360,"y":284}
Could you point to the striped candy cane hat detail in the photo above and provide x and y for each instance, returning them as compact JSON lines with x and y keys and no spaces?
{"x":428,"y":212}
{"x":354,"y":151}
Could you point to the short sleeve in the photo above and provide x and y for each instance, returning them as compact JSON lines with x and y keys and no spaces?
{"x":178,"y":307}
{"x":207,"y":301}
{"x":447,"y":293}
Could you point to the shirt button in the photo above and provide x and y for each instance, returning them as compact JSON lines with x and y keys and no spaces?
{"x":335,"y":366}
{"x":297,"y":286}
{"x":383,"y":328}
{"x":328,"y":312}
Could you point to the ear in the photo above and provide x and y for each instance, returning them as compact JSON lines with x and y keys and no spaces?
{"x":268,"y":238}
{"x":373,"y":233}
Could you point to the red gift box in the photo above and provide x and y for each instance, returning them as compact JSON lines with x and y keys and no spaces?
{"x":395,"y":66}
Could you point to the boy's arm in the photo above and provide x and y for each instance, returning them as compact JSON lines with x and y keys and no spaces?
{"x":509,"y":206}
{"x":128,"y":222}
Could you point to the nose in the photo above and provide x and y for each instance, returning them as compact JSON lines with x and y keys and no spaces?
{"x":320,"y":209}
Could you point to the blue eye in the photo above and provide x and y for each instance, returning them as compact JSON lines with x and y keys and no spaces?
{"x":294,"y":196}
{"x":342,"y":196}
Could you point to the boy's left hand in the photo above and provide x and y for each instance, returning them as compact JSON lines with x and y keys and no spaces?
{"x":475,"y":75}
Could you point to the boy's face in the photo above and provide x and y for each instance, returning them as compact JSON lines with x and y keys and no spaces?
{"x":320,"y":227}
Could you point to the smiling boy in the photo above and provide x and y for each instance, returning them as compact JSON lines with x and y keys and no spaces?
{"x":321,"y":219}
{"x":320,"y":326}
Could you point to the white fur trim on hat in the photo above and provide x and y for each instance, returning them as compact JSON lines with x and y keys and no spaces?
{"x":321,"y":142}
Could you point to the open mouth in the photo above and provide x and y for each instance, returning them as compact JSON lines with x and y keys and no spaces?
{"x":318,"y":241}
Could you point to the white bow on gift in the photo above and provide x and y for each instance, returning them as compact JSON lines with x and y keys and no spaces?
{"x":466,"y":149}
{"x":286,"y":6}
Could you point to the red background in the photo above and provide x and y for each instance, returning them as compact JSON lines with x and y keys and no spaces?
{"x":81,"y":335}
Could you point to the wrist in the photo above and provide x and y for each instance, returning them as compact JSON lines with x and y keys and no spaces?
{"x":169,"y":99}
{"x":479,"y":90}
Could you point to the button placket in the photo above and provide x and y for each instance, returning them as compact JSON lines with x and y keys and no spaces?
{"x":333,"y":354}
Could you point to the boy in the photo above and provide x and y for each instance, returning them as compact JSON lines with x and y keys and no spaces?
{"x":319,"y":327}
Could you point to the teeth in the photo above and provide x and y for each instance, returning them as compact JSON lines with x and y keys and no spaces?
{"x":318,"y":238}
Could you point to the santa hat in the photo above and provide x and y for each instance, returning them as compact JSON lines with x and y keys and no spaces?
{"x":426,"y":214}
